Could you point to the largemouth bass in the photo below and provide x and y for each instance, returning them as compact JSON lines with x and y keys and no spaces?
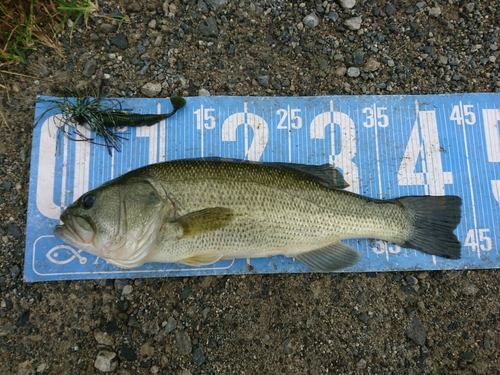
{"x":197,"y":212}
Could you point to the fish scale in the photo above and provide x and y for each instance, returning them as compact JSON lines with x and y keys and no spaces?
{"x":276,"y":212}
{"x":196,"y":212}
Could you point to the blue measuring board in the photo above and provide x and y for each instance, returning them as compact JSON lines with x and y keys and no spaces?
{"x":386,"y":147}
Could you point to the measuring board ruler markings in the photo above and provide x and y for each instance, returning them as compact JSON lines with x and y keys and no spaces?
{"x":386,"y":147}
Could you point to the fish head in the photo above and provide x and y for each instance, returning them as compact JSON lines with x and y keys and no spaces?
{"x":118,"y":221}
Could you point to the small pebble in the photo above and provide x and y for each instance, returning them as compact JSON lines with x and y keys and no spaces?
{"x":389,"y":9}
{"x":408,"y":289}
{"x":185,"y":293}
{"x":470,"y":289}
{"x":183,"y":342}
{"x":358,"y":57}
{"x":340,"y":71}
{"x":422,"y":275}
{"x":14,"y":231}
{"x":363,"y":317}
{"x":103,"y":338}
{"x":151,"y":89}
{"x":198,"y":356}
{"x":127,"y":289}
{"x":412,"y":280}
{"x":353,"y":23}
{"x":421,"y":306}
{"x":134,"y":7}
{"x":25,"y":368}
{"x":209,"y":27}
{"x":371,"y":65}
{"x":416,"y":331}
{"x":106,"y":361}
{"x":106,"y":28}
{"x":15,"y":271}
{"x":141,"y":49}
{"x":120,"y":283}
{"x":89,"y":68}
{"x":170,"y":325}
{"x":263,"y":80}
{"x":202,"y":7}
{"x":128,"y":353}
{"x":361,"y":364}
{"x":120,"y":41}
{"x":486,"y":341}
{"x":334,"y":16}
{"x":323,"y":63}
{"x":347,"y":4}
{"x":165,"y":5}
{"x":435,"y":12}
{"x":289,"y":346}
{"x":353,"y":72}
{"x":203,"y":92}
{"x":468,"y":356}
{"x":311,"y":20}
{"x":146,"y":350}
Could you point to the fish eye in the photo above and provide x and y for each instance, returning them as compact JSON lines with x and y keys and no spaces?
{"x":88,"y":200}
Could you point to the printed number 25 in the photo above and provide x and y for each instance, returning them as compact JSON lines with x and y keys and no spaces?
{"x":295,"y":121}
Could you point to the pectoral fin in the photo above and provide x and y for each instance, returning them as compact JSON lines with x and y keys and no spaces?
{"x":331,"y":258}
{"x":201,"y":259}
{"x":207,"y":220}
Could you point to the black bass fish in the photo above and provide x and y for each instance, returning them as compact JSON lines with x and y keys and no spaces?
{"x":197,"y":212}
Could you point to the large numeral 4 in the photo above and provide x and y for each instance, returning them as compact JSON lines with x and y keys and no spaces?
{"x":424,"y":146}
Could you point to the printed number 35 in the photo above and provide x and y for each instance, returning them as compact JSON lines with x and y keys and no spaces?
{"x":381,"y":118}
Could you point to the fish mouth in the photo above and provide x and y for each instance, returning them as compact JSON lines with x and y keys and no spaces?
{"x":71,"y":232}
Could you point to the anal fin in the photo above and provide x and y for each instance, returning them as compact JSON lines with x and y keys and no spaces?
{"x":201,"y":259}
{"x":330,"y":258}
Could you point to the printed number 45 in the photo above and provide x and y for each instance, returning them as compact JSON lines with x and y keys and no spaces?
{"x":478,"y":240}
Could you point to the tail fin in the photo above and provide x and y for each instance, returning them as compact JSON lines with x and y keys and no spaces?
{"x":434,"y":219}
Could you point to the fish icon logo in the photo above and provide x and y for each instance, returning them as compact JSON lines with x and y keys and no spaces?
{"x":63,"y":254}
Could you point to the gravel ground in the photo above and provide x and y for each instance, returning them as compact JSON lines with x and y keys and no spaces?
{"x":386,"y":323}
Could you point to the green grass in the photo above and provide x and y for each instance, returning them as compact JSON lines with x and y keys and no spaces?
{"x":24,"y":24}
{"x":16,"y":25}
{"x":76,"y":9}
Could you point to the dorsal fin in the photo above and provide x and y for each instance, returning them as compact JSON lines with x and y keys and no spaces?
{"x":326,"y":174}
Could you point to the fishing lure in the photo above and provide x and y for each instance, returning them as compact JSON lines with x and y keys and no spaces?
{"x":120,"y":118}
{"x":102,"y":116}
